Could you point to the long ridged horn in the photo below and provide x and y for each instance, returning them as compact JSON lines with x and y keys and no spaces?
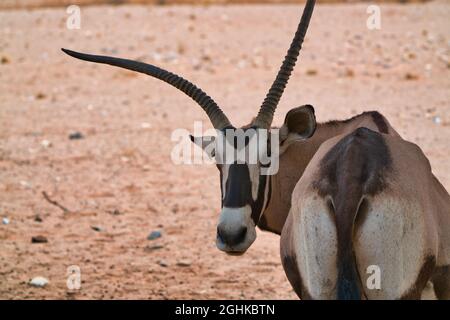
{"x":215,"y":114}
{"x":265,"y":114}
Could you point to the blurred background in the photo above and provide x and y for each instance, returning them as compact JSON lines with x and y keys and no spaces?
{"x":55,"y":3}
{"x":86,"y":177}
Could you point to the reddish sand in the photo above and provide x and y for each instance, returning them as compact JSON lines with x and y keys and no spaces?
{"x":120,"y":176}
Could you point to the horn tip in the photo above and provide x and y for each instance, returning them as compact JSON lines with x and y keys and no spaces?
{"x":71,"y":53}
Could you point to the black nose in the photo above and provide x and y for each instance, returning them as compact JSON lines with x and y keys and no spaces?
{"x":231,"y":237}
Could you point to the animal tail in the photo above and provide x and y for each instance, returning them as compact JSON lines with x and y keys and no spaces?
{"x":348,"y":281}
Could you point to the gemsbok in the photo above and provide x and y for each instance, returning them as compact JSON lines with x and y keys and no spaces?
{"x":347,"y":195}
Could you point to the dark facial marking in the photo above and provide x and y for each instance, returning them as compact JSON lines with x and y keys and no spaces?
{"x":238,"y":190}
{"x":238,"y":187}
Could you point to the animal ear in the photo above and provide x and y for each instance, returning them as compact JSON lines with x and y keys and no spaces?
{"x":300,"y":123}
{"x":207,"y":143}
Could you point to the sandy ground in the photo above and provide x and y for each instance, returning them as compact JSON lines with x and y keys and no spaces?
{"x":22,"y":4}
{"x":120,"y":177}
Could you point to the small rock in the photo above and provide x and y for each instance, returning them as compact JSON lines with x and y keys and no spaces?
{"x":163,"y":264}
{"x":410,"y":76}
{"x":97,"y":228}
{"x":25,"y":184}
{"x":40,"y":96}
{"x":153,"y":248}
{"x":46,"y":143}
{"x":437,"y":120}
{"x":411,"y":55}
{"x":183,"y":263}
{"x":4,"y":60}
{"x":5,"y":220}
{"x":37,"y":218}
{"x":145,"y":125}
{"x":154,"y":235}
{"x":38,"y":282}
{"x":39,"y":239}
{"x":206,"y":56}
{"x":311,"y":72}
{"x":349,"y":73}
{"x":181,"y":49}
{"x":76,"y":136}
{"x":116,"y":212}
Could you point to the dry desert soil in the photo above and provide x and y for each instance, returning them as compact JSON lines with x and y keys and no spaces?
{"x":119,"y":183}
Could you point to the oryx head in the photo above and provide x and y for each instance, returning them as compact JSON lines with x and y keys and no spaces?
{"x":243,"y":174}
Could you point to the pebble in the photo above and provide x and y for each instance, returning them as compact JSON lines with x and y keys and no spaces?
{"x":116,"y":212}
{"x":39,"y":239}
{"x":183,"y":263}
{"x":40,"y":96}
{"x":5,"y":220}
{"x":145,"y":125}
{"x":349,"y":73}
{"x":97,"y":228}
{"x":311,"y":72}
{"x":38,"y":282}
{"x":154,"y":235}
{"x":436,"y":120}
{"x":411,"y":76}
{"x":37,"y":218}
{"x":153,"y":248}
{"x":25,"y":184}
{"x":46,"y":143}
{"x":163,"y":264}
{"x":76,"y":136}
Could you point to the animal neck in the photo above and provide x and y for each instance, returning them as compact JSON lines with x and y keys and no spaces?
{"x":293,"y":161}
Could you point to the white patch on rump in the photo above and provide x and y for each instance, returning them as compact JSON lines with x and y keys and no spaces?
{"x":391,"y":233}
{"x":315,"y":244}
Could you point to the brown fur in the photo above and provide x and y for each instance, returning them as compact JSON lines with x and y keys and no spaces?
{"x":403,"y":173}
{"x":425,"y":273}
{"x":296,"y":158}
